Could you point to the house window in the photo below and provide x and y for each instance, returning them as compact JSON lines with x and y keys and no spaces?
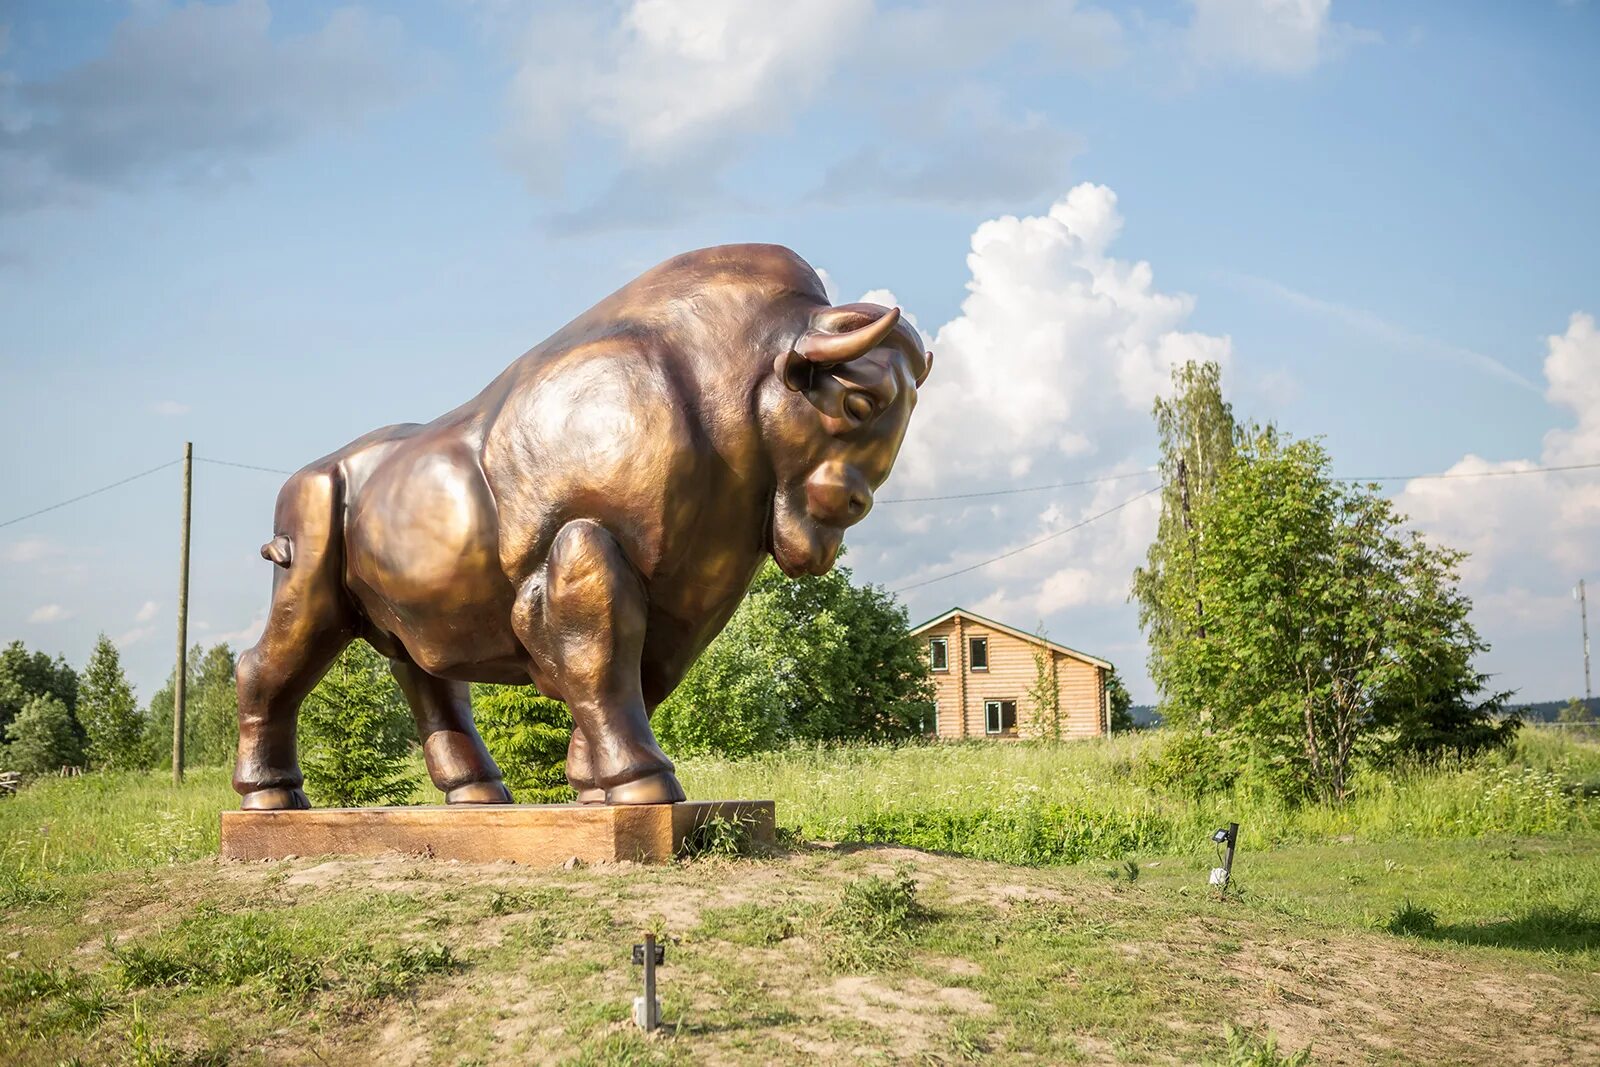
{"x":1000,"y":717}
{"x":980,"y":654}
{"x":939,"y":653}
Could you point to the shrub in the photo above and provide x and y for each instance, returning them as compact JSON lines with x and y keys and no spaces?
{"x":44,"y":737}
{"x":527,"y":734}
{"x":872,"y":920}
{"x":354,"y":736}
{"x":1410,"y":919}
{"x":1192,"y":763}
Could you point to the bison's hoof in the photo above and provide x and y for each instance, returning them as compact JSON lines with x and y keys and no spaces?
{"x":659,"y":788}
{"x":479,"y":793}
{"x":591,"y":795}
{"x":275,"y":800}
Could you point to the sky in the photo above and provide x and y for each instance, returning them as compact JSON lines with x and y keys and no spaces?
{"x":269,"y":227}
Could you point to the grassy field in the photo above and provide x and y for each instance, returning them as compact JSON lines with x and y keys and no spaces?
{"x":1051,"y":907}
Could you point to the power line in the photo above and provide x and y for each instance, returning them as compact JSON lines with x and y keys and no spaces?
{"x":1158,"y":488}
{"x":1157,"y":470}
{"x":1031,"y":544}
{"x":1024,"y":489}
{"x":94,"y":492}
{"x":242,"y":466}
{"x":1472,"y":474}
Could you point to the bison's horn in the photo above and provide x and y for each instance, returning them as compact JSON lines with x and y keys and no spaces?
{"x":817,"y":347}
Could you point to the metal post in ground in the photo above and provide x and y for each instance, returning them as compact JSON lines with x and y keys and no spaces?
{"x":647,"y":1009}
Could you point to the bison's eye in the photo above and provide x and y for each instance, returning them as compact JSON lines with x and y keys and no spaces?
{"x":859,"y":406}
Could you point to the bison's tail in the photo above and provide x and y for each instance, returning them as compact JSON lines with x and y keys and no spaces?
{"x":279,"y":550}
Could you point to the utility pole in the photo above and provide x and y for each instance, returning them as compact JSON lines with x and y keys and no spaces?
{"x":182,"y":675}
{"x":1583,"y":613}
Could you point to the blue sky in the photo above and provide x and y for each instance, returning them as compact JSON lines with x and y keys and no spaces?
{"x":270,"y":228}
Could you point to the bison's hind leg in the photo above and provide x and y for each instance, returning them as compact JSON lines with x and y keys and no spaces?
{"x":458,"y":762}
{"x":309,"y":624}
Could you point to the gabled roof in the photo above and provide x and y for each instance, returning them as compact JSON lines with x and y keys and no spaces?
{"x":1034,"y":639}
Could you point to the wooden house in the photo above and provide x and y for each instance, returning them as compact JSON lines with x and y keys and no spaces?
{"x":987,"y":674}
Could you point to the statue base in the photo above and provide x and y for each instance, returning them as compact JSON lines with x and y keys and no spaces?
{"x":539,"y":835}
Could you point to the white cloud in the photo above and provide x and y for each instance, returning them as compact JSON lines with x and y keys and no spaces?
{"x":1572,"y":370}
{"x":664,"y":95}
{"x":170,"y":408}
{"x":132,"y":637}
{"x":49,"y":613}
{"x":1059,"y":349}
{"x":669,"y":77}
{"x":30,"y":550}
{"x":1047,"y":375}
{"x":246,"y":635}
{"x":1274,"y":36}
{"x":191,"y":93}
{"x":147,"y":611}
{"x":1530,"y":536}
{"x":964,"y":146}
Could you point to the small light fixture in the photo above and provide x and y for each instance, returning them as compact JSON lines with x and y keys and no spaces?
{"x":647,"y":1009}
{"x":1227,"y":837}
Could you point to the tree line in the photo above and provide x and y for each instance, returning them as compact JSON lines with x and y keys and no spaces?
{"x":54,"y":716}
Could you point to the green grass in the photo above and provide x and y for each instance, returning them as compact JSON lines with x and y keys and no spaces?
{"x":1024,"y":803}
{"x":1042,"y":804}
{"x":1353,"y":930}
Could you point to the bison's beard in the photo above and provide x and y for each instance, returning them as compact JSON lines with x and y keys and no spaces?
{"x":801,"y":544}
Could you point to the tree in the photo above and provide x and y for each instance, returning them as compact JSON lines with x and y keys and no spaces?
{"x":527,"y":734}
{"x":1575,"y":711}
{"x":736,"y":697}
{"x":158,"y":717}
{"x":816,"y":658}
{"x":1195,"y":431}
{"x":1119,"y":704}
{"x":43,"y":737}
{"x":1329,"y":634}
{"x":211,"y":719}
{"x":25,"y":675}
{"x":355,"y":736}
{"x":1045,"y":694}
{"x":108,"y":712}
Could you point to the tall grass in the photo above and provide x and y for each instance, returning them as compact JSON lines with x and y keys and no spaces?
{"x":1015,"y":802}
{"x":1041,"y":804}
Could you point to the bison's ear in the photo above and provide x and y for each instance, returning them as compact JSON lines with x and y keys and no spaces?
{"x":794,"y":370}
{"x":927,"y":368}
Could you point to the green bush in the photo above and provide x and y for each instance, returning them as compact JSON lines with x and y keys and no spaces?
{"x":356,"y":735}
{"x":44,"y":737}
{"x":1410,"y":920}
{"x":873,"y":919}
{"x":527,"y":735}
{"x":1191,"y":762}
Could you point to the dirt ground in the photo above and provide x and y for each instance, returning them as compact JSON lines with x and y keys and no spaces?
{"x":1000,"y":964}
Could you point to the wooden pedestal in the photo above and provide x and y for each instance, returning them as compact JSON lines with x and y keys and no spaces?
{"x":541,"y":835}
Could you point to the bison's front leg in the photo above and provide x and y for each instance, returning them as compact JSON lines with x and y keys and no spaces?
{"x":590,"y":621}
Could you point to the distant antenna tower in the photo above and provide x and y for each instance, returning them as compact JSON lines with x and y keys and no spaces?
{"x":1582,"y":598}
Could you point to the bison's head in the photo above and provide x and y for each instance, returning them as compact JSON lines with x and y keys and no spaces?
{"x":835,"y":424}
